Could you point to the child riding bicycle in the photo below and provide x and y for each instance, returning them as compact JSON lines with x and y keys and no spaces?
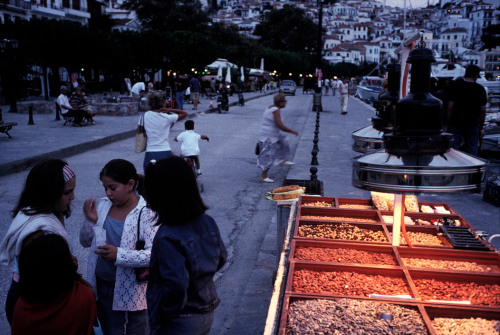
{"x":189,"y":139}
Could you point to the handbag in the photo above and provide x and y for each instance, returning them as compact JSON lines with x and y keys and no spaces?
{"x":142,"y":273}
{"x":140,"y":136}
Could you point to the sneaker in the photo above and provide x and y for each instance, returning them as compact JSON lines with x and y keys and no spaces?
{"x":343,"y":113}
{"x":267,"y":180}
{"x":287,"y":163}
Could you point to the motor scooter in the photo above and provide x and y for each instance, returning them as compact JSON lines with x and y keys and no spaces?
{"x":222,"y":100}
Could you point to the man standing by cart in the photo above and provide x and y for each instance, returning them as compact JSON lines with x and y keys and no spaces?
{"x":466,"y":111}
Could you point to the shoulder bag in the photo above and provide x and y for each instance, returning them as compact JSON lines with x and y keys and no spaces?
{"x":141,"y":274}
{"x":140,"y":136}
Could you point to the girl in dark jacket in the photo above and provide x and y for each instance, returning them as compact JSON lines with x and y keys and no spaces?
{"x":187,"y":252}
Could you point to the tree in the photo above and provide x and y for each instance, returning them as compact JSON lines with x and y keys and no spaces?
{"x":491,"y":36}
{"x":170,"y":15}
{"x":288,"y":29}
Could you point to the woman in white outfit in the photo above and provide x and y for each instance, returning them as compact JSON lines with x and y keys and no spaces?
{"x":273,"y":145}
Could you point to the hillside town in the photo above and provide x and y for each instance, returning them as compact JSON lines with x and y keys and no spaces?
{"x":355,"y":31}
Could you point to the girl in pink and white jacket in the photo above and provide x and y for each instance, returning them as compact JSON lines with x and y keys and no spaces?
{"x":110,"y":230}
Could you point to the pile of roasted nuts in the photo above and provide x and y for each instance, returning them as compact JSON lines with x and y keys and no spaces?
{"x":421,"y":238}
{"x":337,"y":218}
{"x":347,"y":283}
{"x":342,"y":231}
{"x":317,"y":204}
{"x":447,"y":264}
{"x":342,"y":255}
{"x":356,"y":206}
{"x":477,"y":294}
{"x":351,"y":316}
{"x":474,"y":326}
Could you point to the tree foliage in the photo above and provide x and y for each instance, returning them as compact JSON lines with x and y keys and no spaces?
{"x":169,"y":15}
{"x":288,"y":29}
{"x":491,"y":36}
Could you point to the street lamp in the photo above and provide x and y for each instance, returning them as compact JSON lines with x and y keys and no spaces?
{"x":317,"y":96}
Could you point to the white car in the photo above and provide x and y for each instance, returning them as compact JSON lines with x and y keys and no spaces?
{"x":288,"y":87}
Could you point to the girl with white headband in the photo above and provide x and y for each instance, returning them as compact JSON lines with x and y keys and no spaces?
{"x":43,"y":206}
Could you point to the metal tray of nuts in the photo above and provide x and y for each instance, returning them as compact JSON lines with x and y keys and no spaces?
{"x":423,"y":236}
{"x":314,"y":201}
{"x":450,"y":259}
{"x":339,"y":215}
{"x":462,"y":320}
{"x":343,"y":252}
{"x":338,"y":231}
{"x":452,"y":287}
{"x":312,"y":315}
{"x":425,"y":219}
{"x":347,"y":281}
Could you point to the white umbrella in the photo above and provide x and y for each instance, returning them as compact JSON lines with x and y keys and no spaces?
{"x":262,"y":64}
{"x":228,"y":75}
{"x":242,"y":74}
{"x":219,"y":73}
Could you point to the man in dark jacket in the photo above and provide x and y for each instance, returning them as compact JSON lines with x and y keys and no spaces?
{"x":466,"y":111}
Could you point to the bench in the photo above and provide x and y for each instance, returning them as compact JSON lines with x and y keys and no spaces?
{"x":6,"y":126}
{"x":67,"y":118}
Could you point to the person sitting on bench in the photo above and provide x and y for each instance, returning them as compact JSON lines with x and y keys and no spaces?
{"x":78,"y":102}
{"x":68,"y":110}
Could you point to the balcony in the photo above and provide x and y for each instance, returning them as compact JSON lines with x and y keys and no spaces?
{"x":19,"y":6}
{"x":47,"y":11}
{"x":81,"y":13}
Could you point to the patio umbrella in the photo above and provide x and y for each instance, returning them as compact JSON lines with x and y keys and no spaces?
{"x":228,"y":75}
{"x":242,"y":75}
{"x":262,"y":64}
{"x":219,"y":73}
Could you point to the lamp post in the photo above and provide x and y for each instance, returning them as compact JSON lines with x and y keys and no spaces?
{"x":317,"y":96}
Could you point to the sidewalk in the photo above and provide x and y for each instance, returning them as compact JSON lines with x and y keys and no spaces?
{"x":49,"y":138}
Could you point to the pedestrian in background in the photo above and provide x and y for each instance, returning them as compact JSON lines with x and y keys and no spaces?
{"x":42,"y":208}
{"x":195,"y":87}
{"x":344,"y":95}
{"x":187,"y":252}
{"x":110,"y":230}
{"x":466,"y":111}
{"x":54,"y":299}
{"x":157,"y":123}
{"x":273,"y":145}
{"x":180,"y":90}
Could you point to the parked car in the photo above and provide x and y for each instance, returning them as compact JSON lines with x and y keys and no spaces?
{"x":288,"y":87}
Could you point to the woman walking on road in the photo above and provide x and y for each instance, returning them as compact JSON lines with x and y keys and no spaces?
{"x":110,"y":230}
{"x":273,"y":145}
{"x":43,"y":206}
{"x":157,"y":123}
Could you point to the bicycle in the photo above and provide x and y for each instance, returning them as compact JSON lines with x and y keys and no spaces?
{"x":192,"y":164}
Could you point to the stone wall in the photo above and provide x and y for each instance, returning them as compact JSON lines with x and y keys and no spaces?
{"x":98,"y":105}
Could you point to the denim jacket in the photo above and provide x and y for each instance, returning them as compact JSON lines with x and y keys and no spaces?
{"x":184,"y":260}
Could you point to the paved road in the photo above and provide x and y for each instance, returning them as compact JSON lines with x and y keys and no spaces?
{"x":235,"y":197}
